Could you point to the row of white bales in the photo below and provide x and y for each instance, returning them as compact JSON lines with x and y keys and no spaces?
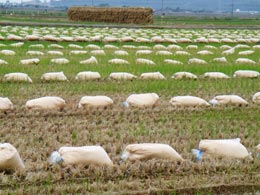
{"x":90,"y":76}
{"x":143,"y":50}
{"x":129,"y":46}
{"x":170,"y":47}
{"x":96,"y":155}
{"x":187,"y":33}
{"x":143,"y":100}
{"x":144,"y":61}
{"x":129,"y":35}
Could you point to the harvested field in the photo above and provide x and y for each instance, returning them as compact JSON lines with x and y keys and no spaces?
{"x":36,"y":133}
{"x":112,"y":15}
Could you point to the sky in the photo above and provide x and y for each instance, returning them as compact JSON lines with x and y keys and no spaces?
{"x":16,"y":1}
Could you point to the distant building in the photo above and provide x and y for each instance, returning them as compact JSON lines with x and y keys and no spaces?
{"x":238,"y":11}
{"x":34,"y":3}
{"x":69,"y":3}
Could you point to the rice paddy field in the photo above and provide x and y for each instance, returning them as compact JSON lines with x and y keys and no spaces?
{"x":36,"y":133}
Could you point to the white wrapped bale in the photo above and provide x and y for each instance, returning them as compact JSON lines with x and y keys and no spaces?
{"x":159,"y":47}
{"x":184,"y":75}
{"x":32,"y":53}
{"x":256,"y":47}
{"x":91,"y":60}
{"x":34,"y":61}
{"x":242,"y":46}
{"x":50,"y":38}
{"x":164,"y":53}
{"x":152,"y":76}
{"x":17,"y":76}
{"x":39,"y":46}
{"x":147,"y":151}
{"x":142,"y":40}
{"x":47,"y":102}
{"x":229,"y":51}
{"x":66,"y":38}
{"x":201,"y":40}
{"x":92,"y":46}
{"x":107,"y":46}
{"x":182,"y":53}
{"x":87,"y":75}
{"x":122,"y":76}
{"x":95,"y":38}
{"x":213,"y":40}
{"x":228,"y":99}
{"x":157,"y":39}
{"x":227,"y":40}
{"x":127,"y":39}
{"x":205,"y":52}
{"x":32,"y":37}
{"x":216,"y":75}
{"x":144,"y":61}
{"x":220,"y":60}
{"x":143,"y":52}
{"x":98,"y":52}
{"x":78,"y":52}
{"x":118,"y":61}
{"x":246,"y":53}
{"x":95,"y":102}
{"x":142,"y":100}
{"x":6,"y":104}
{"x":54,"y":76}
{"x":225,"y":47}
{"x":188,"y":101}
{"x":197,"y":61}
{"x":170,"y":40}
{"x":7,"y":52}
{"x":10,"y":159}
{"x":85,"y":155}
{"x":74,"y":46}
{"x":56,"y":46}
{"x":121,"y":53}
{"x":170,"y":61}
{"x":231,"y":148}
{"x":80,"y":39}
{"x":192,"y":47}
{"x":3,"y":62}
{"x":256,"y":98}
{"x":110,"y":39}
{"x":245,"y":61}
{"x":174,"y":47}
{"x":246,"y":74}
{"x":60,"y":61}
{"x":144,"y":47}
{"x":210,"y":47}
{"x":12,"y":37}
{"x":258,"y":147}
{"x":183,"y":40}
{"x":19,"y":44}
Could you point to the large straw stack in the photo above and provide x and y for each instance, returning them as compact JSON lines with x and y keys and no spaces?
{"x":111,"y":15}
